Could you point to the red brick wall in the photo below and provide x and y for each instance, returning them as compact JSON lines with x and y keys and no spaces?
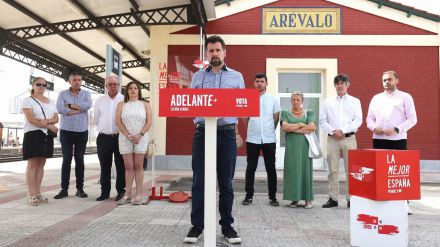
{"x":353,"y":21}
{"x":418,"y":69}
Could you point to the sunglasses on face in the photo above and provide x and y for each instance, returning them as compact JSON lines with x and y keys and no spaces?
{"x":40,"y":84}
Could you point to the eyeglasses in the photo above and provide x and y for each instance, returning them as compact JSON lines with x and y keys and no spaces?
{"x":40,"y":85}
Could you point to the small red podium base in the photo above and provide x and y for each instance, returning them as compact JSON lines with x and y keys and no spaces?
{"x":177,"y":197}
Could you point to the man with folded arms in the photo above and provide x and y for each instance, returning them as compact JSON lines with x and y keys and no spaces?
{"x":340,"y":118}
{"x":73,"y":105}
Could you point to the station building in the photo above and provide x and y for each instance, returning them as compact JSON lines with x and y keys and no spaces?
{"x":302,"y":45}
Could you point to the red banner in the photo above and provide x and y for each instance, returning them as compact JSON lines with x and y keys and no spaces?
{"x":176,"y":102}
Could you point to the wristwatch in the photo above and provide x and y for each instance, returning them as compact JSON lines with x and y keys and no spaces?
{"x":396,"y":129}
{"x":142,"y":134}
{"x":68,"y":105}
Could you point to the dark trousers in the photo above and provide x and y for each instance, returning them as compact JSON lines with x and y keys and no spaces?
{"x":390,"y":144}
{"x":108,"y":146}
{"x":226,"y":159}
{"x":253,"y":153}
{"x":73,"y":144}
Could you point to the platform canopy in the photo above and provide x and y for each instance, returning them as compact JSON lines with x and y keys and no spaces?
{"x":58,"y":36}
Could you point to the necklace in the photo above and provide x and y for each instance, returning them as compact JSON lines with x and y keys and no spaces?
{"x":296,"y":112}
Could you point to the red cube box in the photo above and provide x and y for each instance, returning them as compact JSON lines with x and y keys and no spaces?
{"x":383,"y":175}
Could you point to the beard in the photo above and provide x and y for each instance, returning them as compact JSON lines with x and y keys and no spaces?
{"x":215,"y":62}
{"x":389,"y":86}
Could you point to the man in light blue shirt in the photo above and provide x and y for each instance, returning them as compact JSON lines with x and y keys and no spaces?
{"x":217,"y":75}
{"x":261,"y":137}
{"x":73,"y":105}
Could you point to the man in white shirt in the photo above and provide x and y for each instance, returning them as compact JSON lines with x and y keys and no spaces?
{"x":340,"y":118}
{"x":107,"y":141}
{"x":261,"y":137}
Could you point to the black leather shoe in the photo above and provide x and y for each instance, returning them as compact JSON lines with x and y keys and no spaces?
{"x":61,"y":194}
{"x":102,"y":197}
{"x":330,"y":203}
{"x":119,"y":196}
{"x":348,"y":204}
{"x":81,"y":194}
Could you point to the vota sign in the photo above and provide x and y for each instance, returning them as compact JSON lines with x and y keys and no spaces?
{"x":381,"y":175}
{"x":176,"y":102}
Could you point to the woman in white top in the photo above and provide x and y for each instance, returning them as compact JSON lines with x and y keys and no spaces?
{"x":41,"y":115}
{"x":133,"y":118}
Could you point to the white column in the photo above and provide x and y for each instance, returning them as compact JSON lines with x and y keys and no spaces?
{"x":210,"y":181}
{"x":159,"y":39}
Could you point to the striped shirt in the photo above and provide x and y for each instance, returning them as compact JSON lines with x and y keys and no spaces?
{"x":226,"y":78}
{"x":77,"y":122}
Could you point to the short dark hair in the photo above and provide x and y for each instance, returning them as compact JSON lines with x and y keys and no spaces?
{"x":214,"y":39}
{"x":342,"y":77}
{"x":392,"y":72}
{"x":261,"y":75}
{"x":75,"y":73}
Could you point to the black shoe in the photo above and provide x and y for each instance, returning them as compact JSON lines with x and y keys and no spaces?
{"x":61,"y":194}
{"x":247,"y":201}
{"x":102,"y":197}
{"x":193,"y":235}
{"x":348,"y":204}
{"x":330,"y":203}
{"x":231,"y":235}
{"x":119,"y":196}
{"x":273,"y":202}
{"x":81,"y":194}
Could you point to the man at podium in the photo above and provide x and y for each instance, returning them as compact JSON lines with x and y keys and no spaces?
{"x":217,"y":75}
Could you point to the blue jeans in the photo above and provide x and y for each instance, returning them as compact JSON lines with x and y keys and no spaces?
{"x":226,"y":159}
{"x":73,"y":144}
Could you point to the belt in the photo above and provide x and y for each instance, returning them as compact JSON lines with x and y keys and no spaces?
{"x":346,"y":135}
{"x":219,"y":127}
{"x":109,"y":135}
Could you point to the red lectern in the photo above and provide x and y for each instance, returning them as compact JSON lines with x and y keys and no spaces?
{"x":384,"y":175}
{"x":209,"y":103}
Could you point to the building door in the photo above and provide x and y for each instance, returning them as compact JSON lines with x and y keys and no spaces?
{"x":310,"y":83}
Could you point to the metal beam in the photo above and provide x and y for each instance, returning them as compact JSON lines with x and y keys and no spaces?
{"x":408,"y":10}
{"x":6,"y":33}
{"x":36,"y":57}
{"x":138,"y":19}
{"x":172,"y":15}
{"x":136,"y":8}
{"x":199,"y":14}
{"x":96,"y":69}
{"x":108,"y":31}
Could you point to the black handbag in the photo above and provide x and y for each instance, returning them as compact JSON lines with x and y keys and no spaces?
{"x":50,"y":133}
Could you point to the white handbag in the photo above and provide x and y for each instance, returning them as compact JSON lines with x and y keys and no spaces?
{"x":315,"y":151}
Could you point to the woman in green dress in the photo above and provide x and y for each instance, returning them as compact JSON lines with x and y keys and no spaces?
{"x":298,"y":167}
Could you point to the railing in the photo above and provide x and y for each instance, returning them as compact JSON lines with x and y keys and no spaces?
{"x":14,"y":154}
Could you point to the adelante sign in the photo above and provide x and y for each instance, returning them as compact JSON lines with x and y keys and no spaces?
{"x":176,"y":102}
{"x":301,"y":20}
